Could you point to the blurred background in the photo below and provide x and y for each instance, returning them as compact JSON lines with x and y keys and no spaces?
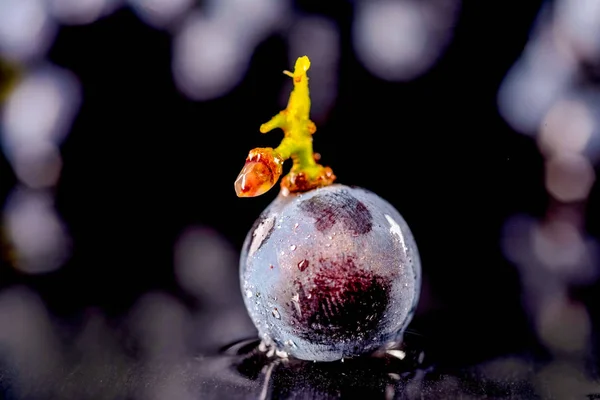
{"x":123,"y":124}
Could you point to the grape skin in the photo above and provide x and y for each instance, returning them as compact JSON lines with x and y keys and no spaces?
{"x":330,"y":273}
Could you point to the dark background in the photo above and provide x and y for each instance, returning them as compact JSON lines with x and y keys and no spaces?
{"x":142,"y":162}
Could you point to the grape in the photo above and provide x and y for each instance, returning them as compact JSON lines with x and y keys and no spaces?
{"x":330,"y":273}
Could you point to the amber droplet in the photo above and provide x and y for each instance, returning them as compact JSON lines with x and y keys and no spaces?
{"x":260,"y":173}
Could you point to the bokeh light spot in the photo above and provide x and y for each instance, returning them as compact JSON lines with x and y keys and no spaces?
{"x":79,"y":12}
{"x":161,"y":13}
{"x":567,"y":127}
{"x":208,"y":61}
{"x":26,"y":30}
{"x":569,"y":177}
{"x":35,"y":232}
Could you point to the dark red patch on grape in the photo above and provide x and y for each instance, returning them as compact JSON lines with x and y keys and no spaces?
{"x":340,"y":302}
{"x":329,"y":208}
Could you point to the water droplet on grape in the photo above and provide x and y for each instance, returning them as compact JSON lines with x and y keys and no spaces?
{"x":248,"y":293}
{"x":302,"y":265}
{"x":276,"y":313}
{"x":293,"y":247}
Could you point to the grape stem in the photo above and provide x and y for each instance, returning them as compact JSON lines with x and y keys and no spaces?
{"x":263,"y":165}
{"x":295,"y":122}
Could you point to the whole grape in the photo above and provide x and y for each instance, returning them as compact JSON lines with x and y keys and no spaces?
{"x":330,"y":273}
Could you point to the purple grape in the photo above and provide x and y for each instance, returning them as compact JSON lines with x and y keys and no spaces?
{"x":330,"y":273}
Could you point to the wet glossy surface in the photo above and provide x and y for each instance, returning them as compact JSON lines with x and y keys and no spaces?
{"x":244,"y":371}
{"x":330,"y":273}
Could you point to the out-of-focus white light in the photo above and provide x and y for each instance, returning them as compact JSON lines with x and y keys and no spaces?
{"x":26,"y":31}
{"x":541,"y":76}
{"x":578,"y":22}
{"x":569,"y":177}
{"x":564,"y":326}
{"x":35,"y":232}
{"x":161,"y":13}
{"x":527,"y":93}
{"x":78,"y":12}
{"x":318,"y":38}
{"x":567,"y":127}
{"x":390,"y":38}
{"x":250,"y":19}
{"x":28,"y":340}
{"x":558,"y":244}
{"x":396,"y":40}
{"x":206,"y":265}
{"x":38,"y":164}
{"x":35,"y":119}
{"x":208,"y":61}
{"x":41,"y":107}
{"x":160,"y":323}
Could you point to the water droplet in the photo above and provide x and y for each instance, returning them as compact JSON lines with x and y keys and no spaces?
{"x":397,"y":353}
{"x":394,"y":376}
{"x":342,"y":360}
{"x":296,"y":226}
{"x":248,"y":293}
{"x":290,"y":343}
{"x":276,"y":313}
{"x":308,"y":296}
{"x":329,"y":237}
{"x":281,"y":354}
{"x":302,"y":265}
{"x":293,"y":247}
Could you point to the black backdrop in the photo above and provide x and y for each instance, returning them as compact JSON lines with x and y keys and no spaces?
{"x":142,"y":162}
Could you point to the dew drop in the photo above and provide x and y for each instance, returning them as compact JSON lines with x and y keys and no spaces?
{"x":281,"y":354}
{"x":330,"y":237}
{"x":248,"y":293}
{"x":302,"y":265}
{"x":290,"y":343}
{"x":276,"y":313}
{"x":293,"y":247}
